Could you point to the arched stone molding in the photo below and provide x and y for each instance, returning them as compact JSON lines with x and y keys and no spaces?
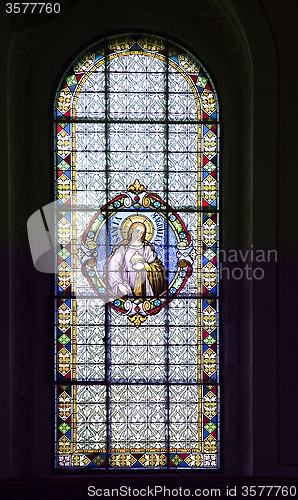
{"x":212,"y":31}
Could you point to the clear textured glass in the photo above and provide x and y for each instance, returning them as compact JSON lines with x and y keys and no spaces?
{"x":137,"y":142}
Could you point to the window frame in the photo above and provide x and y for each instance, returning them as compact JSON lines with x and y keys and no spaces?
{"x":167,"y":121}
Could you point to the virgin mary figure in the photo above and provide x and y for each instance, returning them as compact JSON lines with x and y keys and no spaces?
{"x":133,"y":267}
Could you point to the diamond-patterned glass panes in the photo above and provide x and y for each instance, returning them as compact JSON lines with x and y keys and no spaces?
{"x":136,"y":312}
{"x":140,"y":95}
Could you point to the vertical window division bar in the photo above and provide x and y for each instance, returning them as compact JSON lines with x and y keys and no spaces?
{"x":166,"y":180}
{"x":107,"y":336}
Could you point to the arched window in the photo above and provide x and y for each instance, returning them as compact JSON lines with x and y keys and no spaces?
{"x":136,"y":151}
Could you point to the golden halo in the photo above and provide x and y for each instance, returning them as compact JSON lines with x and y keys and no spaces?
{"x":137,"y":218}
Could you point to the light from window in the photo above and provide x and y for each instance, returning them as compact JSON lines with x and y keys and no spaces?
{"x":136,"y":154}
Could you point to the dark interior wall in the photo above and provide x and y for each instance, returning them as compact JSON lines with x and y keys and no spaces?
{"x":282,"y":19}
{"x":256,"y":83}
{"x":4,"y":337}
{"x":274,"y":302}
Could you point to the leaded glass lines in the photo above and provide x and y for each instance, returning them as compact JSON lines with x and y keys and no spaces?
{"x":136,"y":123}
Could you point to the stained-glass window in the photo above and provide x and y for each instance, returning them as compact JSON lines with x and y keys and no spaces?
{"x":136,"y":176}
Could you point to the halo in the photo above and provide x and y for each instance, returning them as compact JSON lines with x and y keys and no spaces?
{"x":137,"y":218}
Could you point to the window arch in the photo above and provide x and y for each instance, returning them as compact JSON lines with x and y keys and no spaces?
{"x":136,"y":142}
